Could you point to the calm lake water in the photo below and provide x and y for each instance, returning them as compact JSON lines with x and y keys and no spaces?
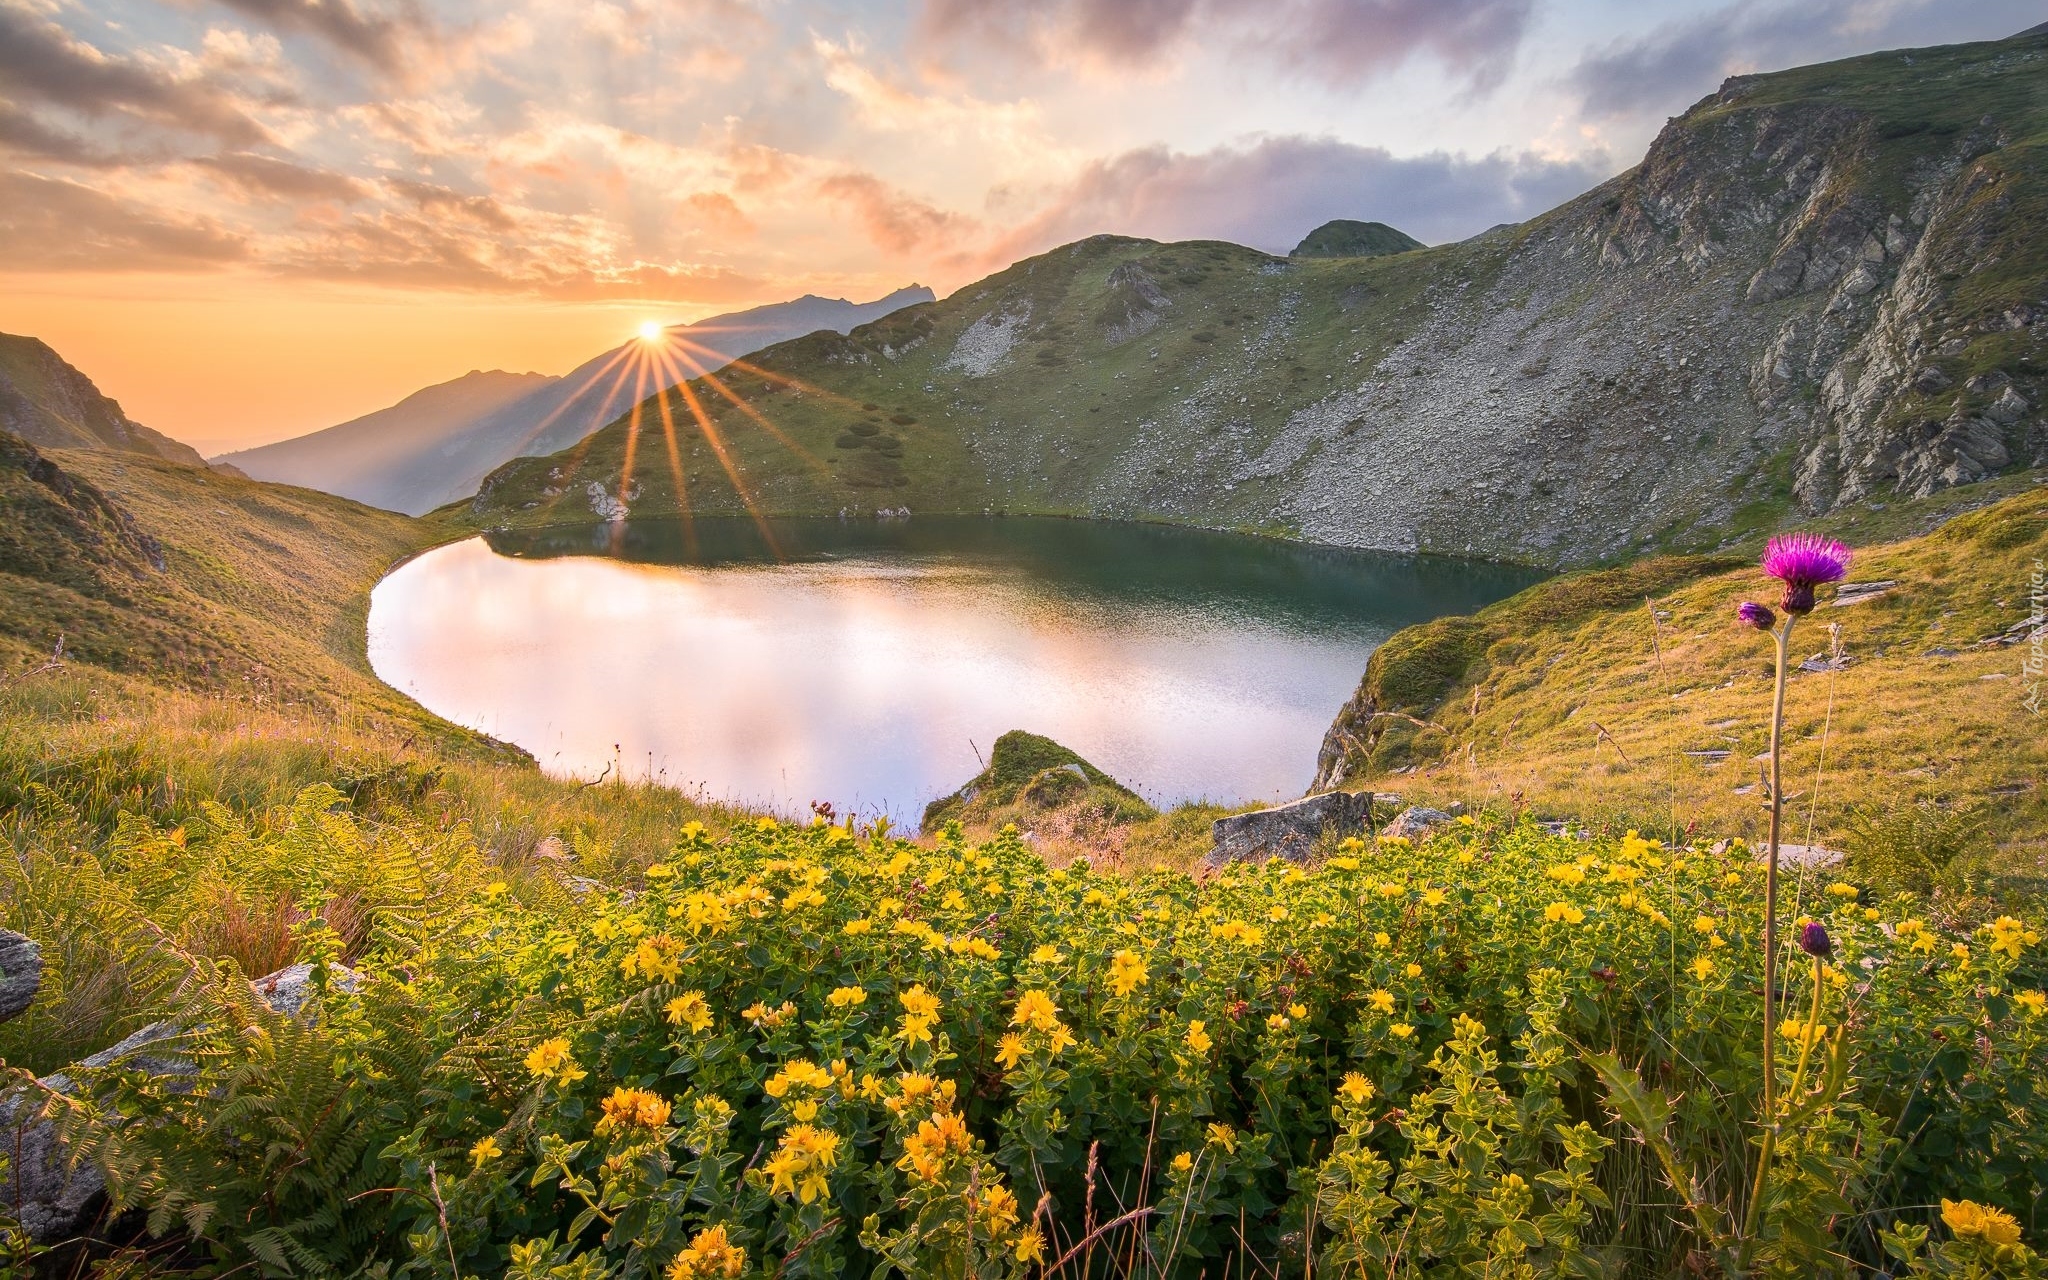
{"x":872,"y":663}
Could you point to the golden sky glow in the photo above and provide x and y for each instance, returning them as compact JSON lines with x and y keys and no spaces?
{"x":247,"y":220}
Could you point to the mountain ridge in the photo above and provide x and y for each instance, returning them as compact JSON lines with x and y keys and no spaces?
{"x":50,"y":404}
{"x":1817,"y":288}
{"x":424,"y":461}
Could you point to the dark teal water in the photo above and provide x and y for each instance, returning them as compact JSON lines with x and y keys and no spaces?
{"x":871,"y":663}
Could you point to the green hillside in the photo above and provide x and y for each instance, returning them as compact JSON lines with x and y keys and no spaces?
{"x":1344,"y":238}
{"x":1820,"y":289}
{"x":1630,"y":696}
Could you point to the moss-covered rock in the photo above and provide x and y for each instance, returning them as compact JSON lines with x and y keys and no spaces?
{"x":1028,"y":777}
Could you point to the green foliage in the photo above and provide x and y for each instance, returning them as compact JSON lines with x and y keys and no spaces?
{"x":806,"y":1051}
{"x":1912,"y":845}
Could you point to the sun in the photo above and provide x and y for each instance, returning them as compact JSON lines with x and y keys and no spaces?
{"x":650,"y":331}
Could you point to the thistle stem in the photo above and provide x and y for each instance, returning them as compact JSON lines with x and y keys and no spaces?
{"x":1753,"y":1217}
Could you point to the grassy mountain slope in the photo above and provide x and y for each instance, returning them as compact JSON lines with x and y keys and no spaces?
{"x":364,"y":458}
{"x":1568,"y":698}
{"x":51,"y":405}
{"x":1818,"y":288}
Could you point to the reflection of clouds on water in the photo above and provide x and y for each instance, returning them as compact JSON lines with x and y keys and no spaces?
{"x":860,"y":680}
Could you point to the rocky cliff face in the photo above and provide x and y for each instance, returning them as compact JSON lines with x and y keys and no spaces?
{"x":1819,"y":286}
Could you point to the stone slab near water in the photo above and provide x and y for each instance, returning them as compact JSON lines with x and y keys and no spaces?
{"x":1290,"y":830}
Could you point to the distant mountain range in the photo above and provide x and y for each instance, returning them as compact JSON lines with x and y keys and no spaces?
{"x":1821,"y":286}
{"x":435,"y":445}
{"x":53,"y":406}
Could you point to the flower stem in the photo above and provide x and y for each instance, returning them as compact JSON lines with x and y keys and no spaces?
{"x":1769,"y":1110}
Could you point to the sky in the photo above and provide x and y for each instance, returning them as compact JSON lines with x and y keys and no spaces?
{"x":249,"y":219}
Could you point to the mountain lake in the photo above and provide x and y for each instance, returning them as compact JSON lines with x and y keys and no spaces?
{"x":871,"y":663}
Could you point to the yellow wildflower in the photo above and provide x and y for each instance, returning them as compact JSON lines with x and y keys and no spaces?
{"x":1010,"y":1050}
{"x":1564,"y":911}
{"x":1702,"y":968}
{"x":1567,"y":873}
{"x":1402,"y":1030}
{"x":1841,"y":890}
{"x":1030,"y":1245}
{"x":485,"y":1151}
{"x":1705,"y":924}
{"x":1183,"y":1162}
{"x":1126,"y":972}
{"x":550,"y":1060}
{"x":2034,"y":1002}
{"x":919,"y":1002}
{"x":1356,"y":1089}
{"x":1222,"y":1135}
{"x":1413,"y":970}
{"x":689,"y":1009}
{"x":1047,"y":954}
{"x":1382,"y":1000}
{"x":1432,"y":897}
{"x":1198,"y":1036}
{"x":1968,"y":1218}
{"x":842,"y":997}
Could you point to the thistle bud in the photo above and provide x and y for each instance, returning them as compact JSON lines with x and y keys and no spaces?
{"x":1814,"y":940}
{"x":1756,"y":615}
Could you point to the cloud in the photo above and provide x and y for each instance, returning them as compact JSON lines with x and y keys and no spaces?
{"x":264,"y":176}
{"x":51,"y":225}
{"x":1337,"y":41}
{"x":894,"y":220}
{"x":378,"y":40}
{"x":22,"y":133}
{"x":1271,"y":192}
{"x":720,"y":214}
{"x":1674,"y":65}
{"x":40,"y":59}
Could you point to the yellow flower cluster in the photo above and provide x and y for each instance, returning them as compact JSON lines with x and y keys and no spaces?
{"x":550,"y":1060}
{"x":925,"y":1152}
{"x":802,"y":1161}
{"x":1126,"y":972}
{"x":920,"y":1012}
{"x":632,"y":1109}
{"x":690,"y":1010}
{"x":2011,"y":936}
{"x":710,"y":1256}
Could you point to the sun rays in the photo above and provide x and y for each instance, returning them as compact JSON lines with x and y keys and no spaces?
{"x":660,"y":367}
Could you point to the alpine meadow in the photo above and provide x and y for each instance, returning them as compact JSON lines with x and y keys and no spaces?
{"x":792,"y":797}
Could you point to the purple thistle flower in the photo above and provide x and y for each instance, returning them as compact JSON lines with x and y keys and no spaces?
{"x":1803,"y":561}
{"x":1756,"y":615}
{"x":1814,"y":940}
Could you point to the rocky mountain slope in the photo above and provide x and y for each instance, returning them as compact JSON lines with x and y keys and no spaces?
{"x":1820,"y":286}
{"x":49,"y":404}
{"x":443,"y":459}
{"x":371,"y":458}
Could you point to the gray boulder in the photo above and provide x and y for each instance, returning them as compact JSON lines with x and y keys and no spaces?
{"x":1289,"y":830}
{"x":1415,"y":822}
{"x":54,"y":1198}
{"x":21,"y":973}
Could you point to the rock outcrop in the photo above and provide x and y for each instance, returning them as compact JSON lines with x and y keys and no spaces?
{"x":54,"y":1197}
{"x":1289,"y":831}
{"x":21,"y":973}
